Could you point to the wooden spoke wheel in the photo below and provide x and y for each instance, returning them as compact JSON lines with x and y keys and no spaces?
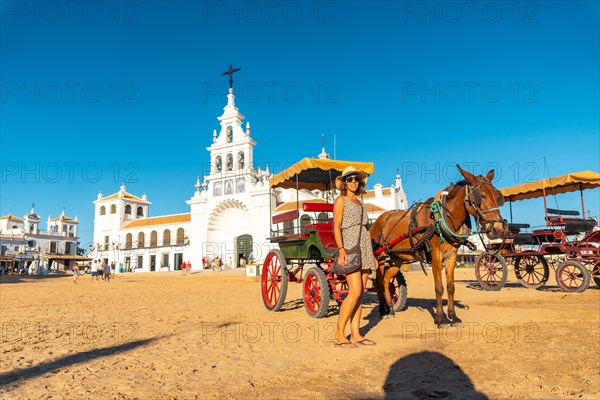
{"x":572,"y":276}
{"x":316,"y":292}
{"x":596,"y":274}
{"x":491,"y":271}
{"x":399,"y":292}
{"x":274,"y":280}
{"x":532,"y":270}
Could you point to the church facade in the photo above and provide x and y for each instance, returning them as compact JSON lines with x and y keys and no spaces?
{"x":229,"y":215}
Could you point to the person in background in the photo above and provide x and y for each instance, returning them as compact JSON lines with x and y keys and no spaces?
{"x":75,"y":273}
{"x":106,"y":271}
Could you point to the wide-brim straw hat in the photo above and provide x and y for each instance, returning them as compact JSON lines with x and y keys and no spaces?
{"x":339,"y":183}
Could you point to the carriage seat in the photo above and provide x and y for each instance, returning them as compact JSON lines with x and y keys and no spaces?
{"x":561,"y":212}
{"x":324,"y":232}
{"x":318,"y":207}
{"x":520,"y":237}
{"x":569,"y":219}
{"x":517,"y":227}
{"x":574,"y":226}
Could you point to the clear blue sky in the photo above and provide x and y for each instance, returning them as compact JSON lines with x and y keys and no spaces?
{"x":104,"y":92}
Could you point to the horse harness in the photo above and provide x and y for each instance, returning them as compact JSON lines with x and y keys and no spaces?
{"x":420,"y":247}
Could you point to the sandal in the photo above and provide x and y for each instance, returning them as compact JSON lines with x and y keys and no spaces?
{"x":346,"y":345}
{"x":365,"y":342}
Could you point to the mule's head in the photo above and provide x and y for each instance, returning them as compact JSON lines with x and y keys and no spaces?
{"x":483,"y":202}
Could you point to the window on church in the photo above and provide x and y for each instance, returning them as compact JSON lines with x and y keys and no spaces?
{"x":53,"y":247}
{"x":322,"y":218}
{"x":229,"y":134}
{"x":180,"y":236}
{"x":240,"y":160}
{"x":102,"y":210}
{"x":140,"y":212}
{"x":128,"y":241}
{"x":288,"y":227}
{"x":141,"y":240}
{"x":166,"y":237}
{"x":30,"y":228}
{"x":305,"y":219}
{"x":229,"y":162}
{"x":128,"y":209}
{"x":113,"y":209}
{"x":218,"y":164}
{"x":153,"y":239}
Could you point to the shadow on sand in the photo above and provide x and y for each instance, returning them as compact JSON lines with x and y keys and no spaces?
{"x":428,"y":375}
{"x":51,"y":366}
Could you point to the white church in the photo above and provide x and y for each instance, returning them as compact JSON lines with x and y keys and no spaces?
{"x":230,"y":211}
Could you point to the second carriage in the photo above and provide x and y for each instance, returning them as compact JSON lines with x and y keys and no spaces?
{"x":569,"y":242}
{"x":303,"y":232}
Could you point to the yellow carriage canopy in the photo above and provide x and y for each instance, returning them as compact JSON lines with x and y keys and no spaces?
{"x":549,"y":186}
{"x":315,"y":173}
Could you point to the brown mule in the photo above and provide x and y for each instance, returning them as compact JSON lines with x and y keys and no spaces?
{"x":444,"y":217}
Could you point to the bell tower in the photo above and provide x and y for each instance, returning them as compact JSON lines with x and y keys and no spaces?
{"x":231,"y":151}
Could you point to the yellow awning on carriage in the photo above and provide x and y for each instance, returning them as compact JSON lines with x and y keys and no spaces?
{"x":315,"y":173}
{"x":559,"y":184}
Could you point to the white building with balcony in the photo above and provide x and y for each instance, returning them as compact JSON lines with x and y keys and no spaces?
{"x":24,"y":245}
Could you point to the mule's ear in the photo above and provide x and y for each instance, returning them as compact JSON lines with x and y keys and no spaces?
{"x":468,"y":176}
{"x":490,"y":175}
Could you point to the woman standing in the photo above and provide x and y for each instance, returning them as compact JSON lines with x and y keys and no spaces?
{"x":351,"y":235}
{"x":75,"y":272}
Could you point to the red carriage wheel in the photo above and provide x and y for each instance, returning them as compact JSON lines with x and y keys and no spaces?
{"x":596,"y":274}
{"x":398,"y":291}
{"x":491,"y":271}
{"x":532,"y":270}
{"x":274,"y":280}
{"x":572,"y":276}
{"x":316,"y":293}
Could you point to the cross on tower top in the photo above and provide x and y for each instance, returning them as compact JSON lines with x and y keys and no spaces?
{"x":230,"y":72}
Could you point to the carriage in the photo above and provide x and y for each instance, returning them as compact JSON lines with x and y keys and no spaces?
{"x":305,"y":240}
{"x":569,"y":242}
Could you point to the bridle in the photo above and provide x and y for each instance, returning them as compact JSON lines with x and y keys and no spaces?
{"x":474,"y":198}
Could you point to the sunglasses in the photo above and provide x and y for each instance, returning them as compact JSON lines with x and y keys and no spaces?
{"x":353,"y":178}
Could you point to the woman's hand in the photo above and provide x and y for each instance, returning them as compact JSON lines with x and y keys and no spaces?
{"x":342,"y":257}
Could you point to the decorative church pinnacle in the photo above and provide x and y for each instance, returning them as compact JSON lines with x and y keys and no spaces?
{"x":215,"y":136}
{"x":247,"y":128}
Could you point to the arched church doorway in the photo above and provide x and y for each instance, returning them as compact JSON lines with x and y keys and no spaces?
{"x":243,"y":248}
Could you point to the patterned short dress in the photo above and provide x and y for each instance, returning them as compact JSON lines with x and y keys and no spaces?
{"x":350,"y":229}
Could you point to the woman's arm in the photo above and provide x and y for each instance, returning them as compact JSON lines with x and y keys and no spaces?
{"x":338,"y":213}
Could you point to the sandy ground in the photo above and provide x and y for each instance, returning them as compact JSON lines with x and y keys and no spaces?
{"x":208,"y":335}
